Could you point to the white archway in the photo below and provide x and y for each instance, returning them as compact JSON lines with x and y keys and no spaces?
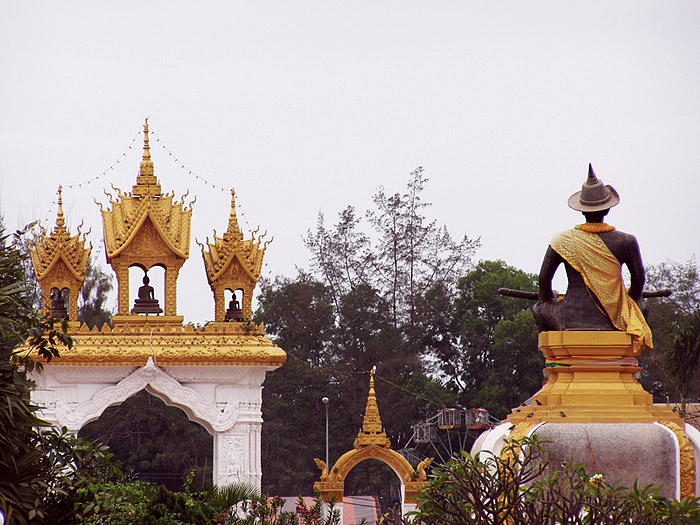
{"x":225,"y":400}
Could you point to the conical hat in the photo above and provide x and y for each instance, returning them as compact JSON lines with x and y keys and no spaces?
{"x":594,"y":195}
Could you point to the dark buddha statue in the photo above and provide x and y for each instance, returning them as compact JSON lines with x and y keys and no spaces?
{"x":234,"y":312}
{"x":58,"y":305}
{"x":146,"y":302}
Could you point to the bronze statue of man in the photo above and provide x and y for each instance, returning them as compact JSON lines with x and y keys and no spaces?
{"x":593,"y":254}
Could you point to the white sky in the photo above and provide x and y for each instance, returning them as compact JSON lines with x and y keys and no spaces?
{"x":309,"y":106}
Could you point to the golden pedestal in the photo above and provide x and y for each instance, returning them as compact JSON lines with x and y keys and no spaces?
{"x":593,"y":410}
{"x":591,"y":379}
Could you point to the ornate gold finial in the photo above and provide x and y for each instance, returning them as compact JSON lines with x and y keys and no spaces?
{"x":146,"y":162}
{"x":146,"y":181}
{"x":146,"y":228}
{"x":233,"y":231}
{"x":60,"y":227}
{"x":372,"y":432}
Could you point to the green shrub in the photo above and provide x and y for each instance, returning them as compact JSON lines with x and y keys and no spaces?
{"x":518,"y":488}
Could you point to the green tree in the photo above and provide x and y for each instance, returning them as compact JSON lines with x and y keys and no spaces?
{"x":682,"y":356}
{"x":410,"y":257}
{"x":93,"y":296}
{"x":494,"y":361}
{"x":667,"y":366}
{"x":157,"y":442}
{"x":24,"y":469}
{"x":368,"y":301}
{"x":293,"y":433}
{"x":298,"y":314}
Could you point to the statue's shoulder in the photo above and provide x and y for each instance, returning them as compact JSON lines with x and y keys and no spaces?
{"x":619,"y":236}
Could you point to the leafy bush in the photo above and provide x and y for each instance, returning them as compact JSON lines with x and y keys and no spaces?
{"x":267,"y":511}
{"x":141,"y":502}
{"x":518,"y":487}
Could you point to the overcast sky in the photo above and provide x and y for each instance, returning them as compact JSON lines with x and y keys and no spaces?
{"x":308,"y":106}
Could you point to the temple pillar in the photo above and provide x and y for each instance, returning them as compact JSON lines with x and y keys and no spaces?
{"x":170,"y":306}
{"x":236,"y":456}
{"x":219,"y":305}
{"x":123,"y":290}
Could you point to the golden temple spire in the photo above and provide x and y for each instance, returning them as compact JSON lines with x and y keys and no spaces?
{"x":60,"y":220}
{"x":146,"y":163}
{"x":60,"y":262}
{"x":232,"y":263}
{"x":146,"y":181}
{"x":233,"y":231}
{"x":372,"y":432}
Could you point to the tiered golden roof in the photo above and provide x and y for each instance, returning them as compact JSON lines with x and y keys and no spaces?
{"x":232,"y":263}
{"x":60,"y":261}
{"x":130,"y":211}
{"x":145,"y":228}
{"x":131,"y":343}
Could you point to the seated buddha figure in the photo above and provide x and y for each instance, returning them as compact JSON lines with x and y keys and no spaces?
{"x":146,"y":303}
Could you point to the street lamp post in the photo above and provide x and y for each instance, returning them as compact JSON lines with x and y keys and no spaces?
{"x":325,"y":402}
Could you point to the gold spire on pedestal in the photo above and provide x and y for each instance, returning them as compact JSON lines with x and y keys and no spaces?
{"x":372,"y":431}
{"x":146,"y":181}
{"x":232,"y":263}
{"x":60,"y":262}
{"x":60,"y":228}
{"x":145,"y":229}
{"x":233,"y":231}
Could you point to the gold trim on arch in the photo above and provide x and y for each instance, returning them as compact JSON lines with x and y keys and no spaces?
{"x":371,"y":443}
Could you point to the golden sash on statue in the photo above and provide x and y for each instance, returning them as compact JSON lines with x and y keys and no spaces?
{"x":601,"y":271}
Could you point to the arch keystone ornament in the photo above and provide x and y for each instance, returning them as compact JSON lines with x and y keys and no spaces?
{"x":212,"y":373}
{"x":371,"y":443}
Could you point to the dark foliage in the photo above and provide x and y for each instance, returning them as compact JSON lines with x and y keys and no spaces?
{"x":24,"y":468}
{"x":157,"y":442}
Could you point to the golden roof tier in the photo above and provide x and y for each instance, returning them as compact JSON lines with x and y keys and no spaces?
{"x":60,"y":264}
{"x":233,"y":264}
{"x":146,"y":228}
{"x":131,"y":343}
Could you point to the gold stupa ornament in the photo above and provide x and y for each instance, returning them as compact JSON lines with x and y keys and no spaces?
{"x":233,"y":264}
{"x":371,"y":443}
{"x":146,"y":228}
{"x":60,"y":263}
{"x":372,"y":431}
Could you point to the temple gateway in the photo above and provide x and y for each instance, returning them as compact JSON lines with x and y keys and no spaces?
{"x":213,"y":373}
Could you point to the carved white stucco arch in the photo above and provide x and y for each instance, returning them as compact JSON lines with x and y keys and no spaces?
{"x":161,"y":385}
{"x":225,"y":400}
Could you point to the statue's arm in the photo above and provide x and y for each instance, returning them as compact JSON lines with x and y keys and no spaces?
{"x":636,"y":269}
{"x":551,"y":262}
